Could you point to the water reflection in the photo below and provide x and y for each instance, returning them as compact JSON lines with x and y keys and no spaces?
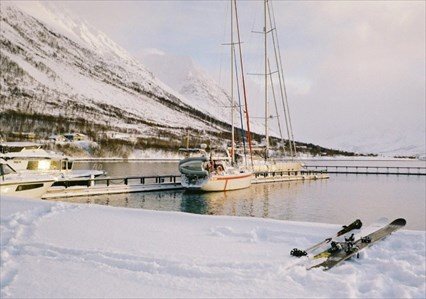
{"x":275,"y":200}
{"x":340,"y":199}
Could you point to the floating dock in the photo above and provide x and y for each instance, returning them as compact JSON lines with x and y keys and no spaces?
{"x":112,"y":185}
{"x":378,"y":170}
{"x":283,"y":176}
{"x":116,"y":185}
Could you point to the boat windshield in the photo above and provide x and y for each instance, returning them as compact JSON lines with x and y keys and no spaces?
{"x":6,"y":169}
{"x":41,"y":165}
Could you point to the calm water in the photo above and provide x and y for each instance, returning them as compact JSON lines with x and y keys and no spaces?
{"x":340,"y":199}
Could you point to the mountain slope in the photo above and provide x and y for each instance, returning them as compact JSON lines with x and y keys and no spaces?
{"x":46,"y":71}
{"x":188,"y":80}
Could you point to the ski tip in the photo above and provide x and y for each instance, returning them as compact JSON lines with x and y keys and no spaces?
{"x":399,"y":222}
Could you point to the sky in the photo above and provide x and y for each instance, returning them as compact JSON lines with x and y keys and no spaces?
{"x":355,"y":70}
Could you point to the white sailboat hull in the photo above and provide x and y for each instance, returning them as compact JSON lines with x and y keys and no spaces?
{"x":225,"y":182}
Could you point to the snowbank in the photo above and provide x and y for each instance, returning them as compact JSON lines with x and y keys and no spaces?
{"x":68,"y":250}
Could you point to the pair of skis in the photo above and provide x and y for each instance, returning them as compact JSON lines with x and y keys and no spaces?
{"x":357,"y":224}
{"x":338,"y":252}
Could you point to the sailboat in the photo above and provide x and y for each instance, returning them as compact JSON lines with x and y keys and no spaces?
{"x":267,"y":164}
{"x":220,"y":171}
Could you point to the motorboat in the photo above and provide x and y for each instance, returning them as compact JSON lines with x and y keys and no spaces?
{"x":27,"y":157}
{"x":22,"y":185}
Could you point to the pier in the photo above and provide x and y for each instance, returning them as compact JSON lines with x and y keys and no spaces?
{"x":115,"y":185}
{"x":285,"y":176}
{"x":112,"y":185}
{"x":378,"y":170}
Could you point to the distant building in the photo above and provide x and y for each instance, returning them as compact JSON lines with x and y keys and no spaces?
{"x":57,"y":138}
{"x":119,"y":135}
{"x":24,"y":135}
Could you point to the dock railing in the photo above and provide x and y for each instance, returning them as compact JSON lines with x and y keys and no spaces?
{"x":359,"y":169}
{"x":109,"y":181}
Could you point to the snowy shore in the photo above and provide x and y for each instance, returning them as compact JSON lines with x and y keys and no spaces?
{"x":67,"y":250}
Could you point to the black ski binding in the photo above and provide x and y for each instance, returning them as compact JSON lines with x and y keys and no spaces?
{"x":350,"y":239}
{"x":350,"y":247}
{"x":334,"y":247}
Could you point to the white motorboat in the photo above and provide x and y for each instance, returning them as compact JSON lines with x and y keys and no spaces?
{"x":16,"y":184}
{"x":26,"y":157}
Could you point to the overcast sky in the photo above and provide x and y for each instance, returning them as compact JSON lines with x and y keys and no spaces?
{"x":353,"y":67}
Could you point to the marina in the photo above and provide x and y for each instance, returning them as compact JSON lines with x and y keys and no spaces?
{"x":212,"y":149}
{"x":329,"y":201}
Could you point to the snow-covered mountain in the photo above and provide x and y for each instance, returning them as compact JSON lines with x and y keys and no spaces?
{"x":56,"y":67}
{"x":392,"y":141}
{"x":191,"y":82}
{"x":62,"y":68}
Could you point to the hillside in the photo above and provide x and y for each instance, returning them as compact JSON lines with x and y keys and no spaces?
{"x":60,"y":75}
{"x":51,"y":76}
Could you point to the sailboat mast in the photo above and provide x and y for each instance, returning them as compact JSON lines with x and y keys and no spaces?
{"x":244,"y":84}
{"x":266,"y":82}
{"x":232,"y":86}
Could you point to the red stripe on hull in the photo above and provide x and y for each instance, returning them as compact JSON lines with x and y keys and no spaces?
{"x":233,"y":178}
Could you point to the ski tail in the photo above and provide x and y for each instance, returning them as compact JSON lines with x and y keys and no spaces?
{"x":357,"y":224}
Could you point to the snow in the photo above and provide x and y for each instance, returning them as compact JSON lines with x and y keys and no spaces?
{"x":68,"y":250}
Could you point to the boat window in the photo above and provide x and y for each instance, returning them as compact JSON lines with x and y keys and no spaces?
{"x":11,"y":149}
{"x":39,"y":165}
{"x":55,"y":165}
{"x":28,"y":187}
{"x":70,"y":164}
{"x":32,"y":165}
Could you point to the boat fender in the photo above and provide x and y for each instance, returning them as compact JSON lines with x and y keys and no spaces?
{"x":191,"y":172}
{"x":191,"y":159}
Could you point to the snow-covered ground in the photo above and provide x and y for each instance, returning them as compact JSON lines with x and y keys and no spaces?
{"x":68,"y":250}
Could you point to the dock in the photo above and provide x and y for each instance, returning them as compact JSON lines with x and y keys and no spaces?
{"x":112,"y":185}
{"x":285,"y":176}
{"x":378,"y":170}
{"x":115,"y":185}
